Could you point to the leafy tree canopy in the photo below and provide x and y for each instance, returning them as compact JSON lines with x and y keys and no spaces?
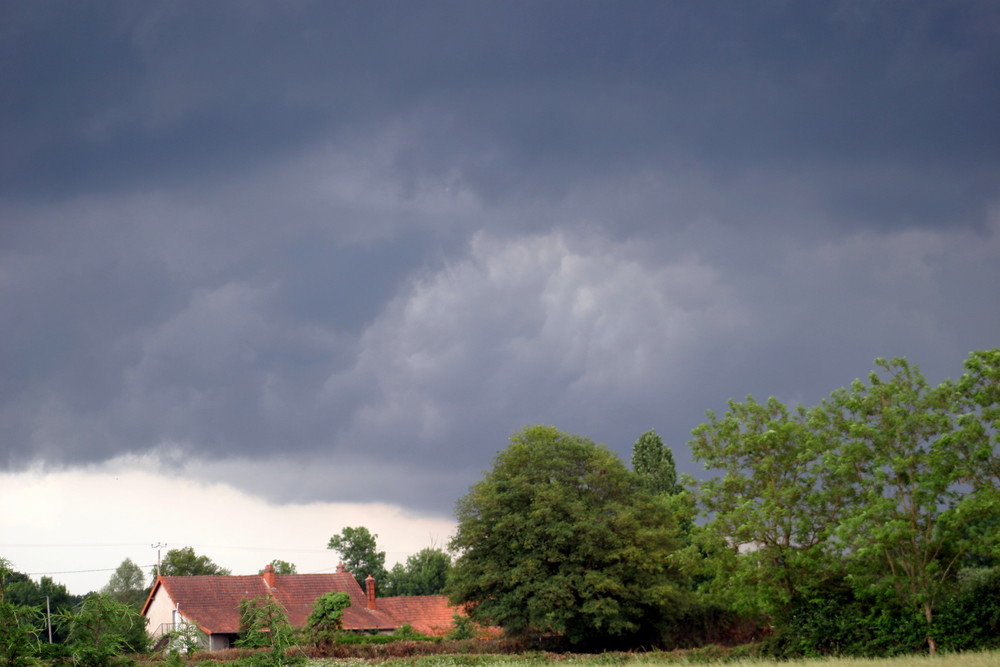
{"x":20,"y":625}
{"x":282,"y":567}
{"x":326,"y":618}
{"x":424,"y":573}
{"x":103,"y":629}
{"x":560,"y":538}
{"x":888,"y":486}
{"x":359,"y":552}
{"x":185,"y":562}
{"x":127,"y":585}
{"x":654,"y":463}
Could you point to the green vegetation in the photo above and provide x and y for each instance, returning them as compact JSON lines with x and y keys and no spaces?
{"x":326,"y":620}
{"x":359,"y":553}
{"x":102,"y":631}
{"x":282,"y":567}
{"x":979,"y":659}
{"x":185,"y":562}
{"x":855,"y":526}
{"x":865,"y":525}
{"x":561,"y":540}
{"x":127,"y":585}
{"x":424,"y":573}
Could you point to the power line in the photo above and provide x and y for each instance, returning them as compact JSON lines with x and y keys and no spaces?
{"x":74,"y":546}
{"x":104,"y":569}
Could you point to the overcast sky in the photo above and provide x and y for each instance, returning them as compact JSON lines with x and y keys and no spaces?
{"x":317,"y":260}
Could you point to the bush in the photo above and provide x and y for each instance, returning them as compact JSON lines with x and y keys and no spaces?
{"x":970,"y":619}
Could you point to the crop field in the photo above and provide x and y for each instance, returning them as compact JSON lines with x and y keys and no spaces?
{"x":976,"y":659}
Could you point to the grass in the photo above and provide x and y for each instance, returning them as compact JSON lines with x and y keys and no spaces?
{"x":977,"y":659}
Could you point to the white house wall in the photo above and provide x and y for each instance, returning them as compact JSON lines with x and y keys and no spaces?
{"x":159,"y":612}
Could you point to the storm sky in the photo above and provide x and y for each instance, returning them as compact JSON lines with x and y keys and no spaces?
{"x":336,"y":252}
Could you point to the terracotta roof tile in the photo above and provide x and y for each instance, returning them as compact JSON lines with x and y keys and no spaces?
{"x":212,"y":602}
{"x":428,"y":614}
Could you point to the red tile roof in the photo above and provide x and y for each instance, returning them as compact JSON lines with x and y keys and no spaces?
{"x":212,"y":602}
{"x":429,"y":614}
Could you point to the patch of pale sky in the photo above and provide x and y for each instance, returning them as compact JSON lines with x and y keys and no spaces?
{"x":78,"y":525}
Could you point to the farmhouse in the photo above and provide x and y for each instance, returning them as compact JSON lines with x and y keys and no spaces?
{"x":211,"y":603}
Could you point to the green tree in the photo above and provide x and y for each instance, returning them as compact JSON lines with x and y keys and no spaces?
{"x":20,"y":626}
{"x":23,"y":591}
{"x":770,"y":504}
{"x":906,"y":529}
{"x":360,"y":554}
{"x":127,"y":585}
{"x":654,"y":463}
{"x":185,"y":562}
{"x":560,"y":538}
{"x":264,"y":623}
{"x":425,"y":573}
{"x":326,"y":618}
{"x":282,"y":567}
{"x":103,"y":630}
{"x":978,"y":441}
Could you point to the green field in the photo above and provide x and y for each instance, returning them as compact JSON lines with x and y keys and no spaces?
{"x":977,"y":659}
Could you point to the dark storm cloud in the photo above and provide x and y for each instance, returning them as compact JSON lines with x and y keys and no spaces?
{"x":330,"y":236}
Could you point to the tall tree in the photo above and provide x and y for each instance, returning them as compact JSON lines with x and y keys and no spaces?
{"x":424,"y":573}
{"x":978,"y":440}
{"x":102,"y":629}
{"x":906,"y":530}
{"x":127,"y":585}
{"x":654,"y":463}
{"x":20,"y":626}
{"x":359,"y":552}
{"x":22,"y":591}
{"x":560,"y":538}
{"x":770,"y":504}
{"x":184,"y":562}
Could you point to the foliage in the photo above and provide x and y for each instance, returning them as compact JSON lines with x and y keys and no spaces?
{"x":326,"y":619}
{"x":769,"y":507}
{"x":23,"y":591}
{"x":978,"y":442}
{"x":127,"y":585}
{"x":19,"y":627}
{"x":186,"y":639}
{"x":462,"y":627}
{"x":654,"y":463}
{"x":359,"y":552}
{"x":970,"y":618}
{"x":282,"y":567}
{"x":425,"y":573}
{"x":264,"y":623}
{"x":895,"y":451}
{"x":849,"y":523}
{"x":184,"y":562}
{"x":560,"y":538}
{"x":102,"y":630}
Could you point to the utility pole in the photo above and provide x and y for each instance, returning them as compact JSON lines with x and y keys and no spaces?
{"x":48,"y":617}
{"x":157,"y":546}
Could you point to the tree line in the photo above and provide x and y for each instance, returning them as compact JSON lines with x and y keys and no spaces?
{"x":43,"y":620}
{"x":867,"y":524}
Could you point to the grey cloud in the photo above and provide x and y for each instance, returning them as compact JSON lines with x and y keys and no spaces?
{"x":326,"y":236}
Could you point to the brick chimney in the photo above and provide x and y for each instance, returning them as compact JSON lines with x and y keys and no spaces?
{"x":340,"y":568}
{"x":269,"y":575}
{"x":370,"y":590}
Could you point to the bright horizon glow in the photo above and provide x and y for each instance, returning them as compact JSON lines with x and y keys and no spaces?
{"x":77,"y":526}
